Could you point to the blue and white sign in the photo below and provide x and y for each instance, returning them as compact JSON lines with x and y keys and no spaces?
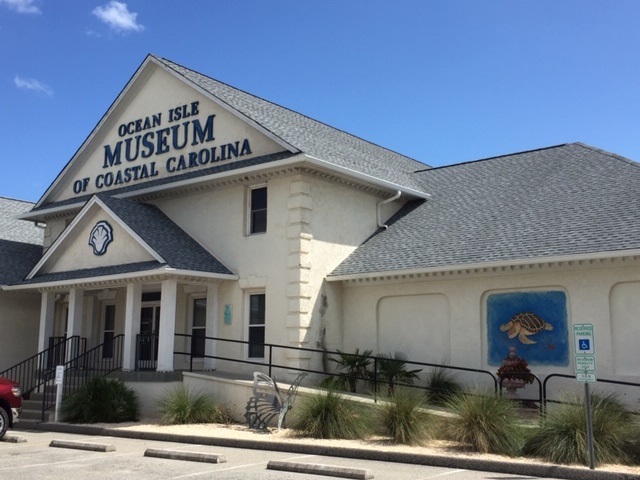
{"x":583,"y":339}
{"x":584,"y":353}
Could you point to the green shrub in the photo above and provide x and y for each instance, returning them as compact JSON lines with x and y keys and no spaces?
{"x":102,"y":400}
{"x":561,"y":436}
{"x":403,"y":418}
{"x":442,"y":386}
{"x":485,"y":423}
{"x":330,"y":415}
{"x":180,"y":406}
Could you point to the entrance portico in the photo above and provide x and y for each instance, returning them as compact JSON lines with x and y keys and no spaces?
{"x":98,"y":311}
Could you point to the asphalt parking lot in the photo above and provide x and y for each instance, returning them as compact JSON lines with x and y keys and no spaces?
{"x":71,"y":457}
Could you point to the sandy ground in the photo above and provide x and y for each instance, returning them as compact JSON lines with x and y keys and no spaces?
{"x":236,"y":431}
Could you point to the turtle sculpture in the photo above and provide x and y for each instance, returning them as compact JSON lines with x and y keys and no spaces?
{"x":524,"y":324}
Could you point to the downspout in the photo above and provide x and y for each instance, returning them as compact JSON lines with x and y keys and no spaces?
{"x":384,"y":202}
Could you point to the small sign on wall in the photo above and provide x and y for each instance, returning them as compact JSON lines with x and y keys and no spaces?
{"x":228,"y":314}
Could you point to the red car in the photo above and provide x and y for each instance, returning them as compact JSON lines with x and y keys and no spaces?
{"x":10,"y":404}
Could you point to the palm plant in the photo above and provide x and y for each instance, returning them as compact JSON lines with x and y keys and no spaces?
{"x":442,"y":386}
{"x":355,"y":365}
{"x":102,"y":400}
{"x":392,"y":369}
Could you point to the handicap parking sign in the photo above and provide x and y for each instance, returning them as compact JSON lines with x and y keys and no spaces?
{"x":583,"y":338}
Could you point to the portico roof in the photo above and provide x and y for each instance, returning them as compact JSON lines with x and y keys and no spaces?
{"x":173,"y":251}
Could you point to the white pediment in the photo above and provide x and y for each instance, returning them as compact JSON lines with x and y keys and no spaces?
{"x":161,"y":126}
{"x":95,"y":239}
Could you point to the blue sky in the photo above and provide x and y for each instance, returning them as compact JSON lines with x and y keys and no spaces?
{"x":442,"y":82}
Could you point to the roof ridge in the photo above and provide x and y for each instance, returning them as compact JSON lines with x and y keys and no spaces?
{"x":494,"y":157}
{"x":169,"y":63}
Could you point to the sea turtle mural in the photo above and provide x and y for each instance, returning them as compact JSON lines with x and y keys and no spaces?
{"x":524,"y":324}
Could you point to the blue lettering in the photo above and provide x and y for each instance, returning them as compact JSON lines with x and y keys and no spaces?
{"x":169,"y":165}
{"x":163,"y":147}
{"x":174,"y":130}
{"x":112,"y":158}
{"x":127,"y":150}
{"x":246,"y":149}
{"x":201,"y":135}
{"x":146,"y":142}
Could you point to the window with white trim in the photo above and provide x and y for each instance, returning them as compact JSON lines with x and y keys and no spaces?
{"x":256,"y":325}
{"x":257,"y":210}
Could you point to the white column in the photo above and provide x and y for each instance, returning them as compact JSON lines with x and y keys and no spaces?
{"x":76,"y":302}
{"x":167,"y":332}
{"x":211,"y":329}
{"x":74,"y":325}
{"x":131,"y":325}
{"x":47,"y":313}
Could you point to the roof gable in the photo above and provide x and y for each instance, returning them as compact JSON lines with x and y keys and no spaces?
{"x":161,"y":126}
{"x":110,"y":235}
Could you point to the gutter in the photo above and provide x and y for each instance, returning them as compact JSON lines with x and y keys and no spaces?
{"x":384,"y":202}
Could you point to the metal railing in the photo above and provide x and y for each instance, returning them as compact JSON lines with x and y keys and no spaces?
{"x":99,"y":361}
{"x":146,"y":352}
{"x":34,"y":372}
{"x":375,"y":379}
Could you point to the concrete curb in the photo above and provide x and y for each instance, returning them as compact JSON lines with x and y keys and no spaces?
{"x":514,"y":468}
{"x":92,"y":447}
{"x":13,"y":439}
{"x":188,"y":456}
{"x":327,"y":470}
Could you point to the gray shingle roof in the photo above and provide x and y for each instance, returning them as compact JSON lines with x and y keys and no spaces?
{"x":561,"y":201}
{"x":17,"y":230}
{"x":310,"y":136}
{"x":16,"y":260}
{"x":173,"y":244}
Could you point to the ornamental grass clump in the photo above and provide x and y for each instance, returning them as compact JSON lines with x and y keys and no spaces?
{"x":181,"y":406}
{"x":485,"y":423}
{"x":102,"y":400}
{"x":330,"y":415}
{"x":561,"y":436}
{"x":404,"y":419}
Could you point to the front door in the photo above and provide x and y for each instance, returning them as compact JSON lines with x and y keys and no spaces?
{"x":148,"y":338}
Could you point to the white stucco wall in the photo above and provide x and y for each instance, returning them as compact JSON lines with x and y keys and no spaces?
{"x":602,"y":293}
{"x":19,"y":318}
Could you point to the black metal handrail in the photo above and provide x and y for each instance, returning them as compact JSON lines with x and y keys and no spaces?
{"x":562,"y":375}
{"x":270,"y":365}
{"x":99,"y":361}
{"x":34,"y":372}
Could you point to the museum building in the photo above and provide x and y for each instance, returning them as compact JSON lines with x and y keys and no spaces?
{"x":195,"y":210}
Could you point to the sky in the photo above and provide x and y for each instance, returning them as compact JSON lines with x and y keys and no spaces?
{"x":443,"y":82}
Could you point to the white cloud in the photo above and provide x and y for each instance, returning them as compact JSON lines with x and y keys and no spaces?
{"x":21,"y":6}
{"x":32,"y":84}
{"x":117,"y":16}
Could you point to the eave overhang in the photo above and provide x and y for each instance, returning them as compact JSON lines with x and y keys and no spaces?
{"x":518,"y":266}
